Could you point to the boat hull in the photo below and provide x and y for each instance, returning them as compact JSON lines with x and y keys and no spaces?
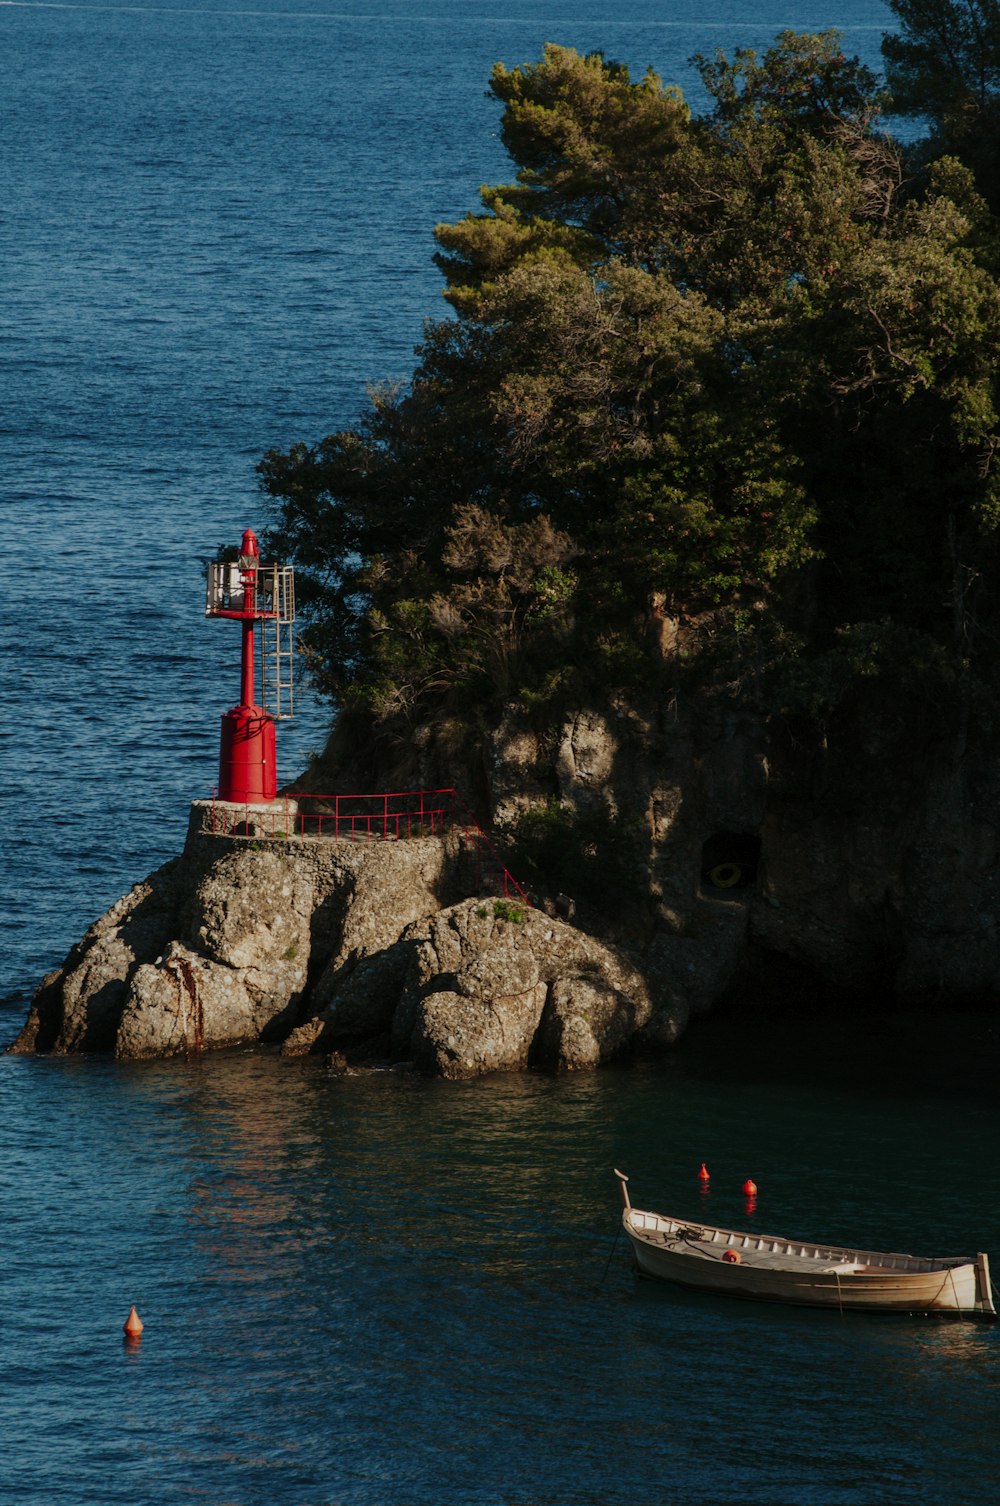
{"x":809,"y":1276}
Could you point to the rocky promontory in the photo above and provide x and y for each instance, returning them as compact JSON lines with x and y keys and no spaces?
{"x":712,"y":856}
{"x":368,"y":949}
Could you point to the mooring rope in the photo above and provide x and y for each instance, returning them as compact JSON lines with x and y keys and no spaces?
{"x":614,"y":1246}
{"x":954,"y":1289}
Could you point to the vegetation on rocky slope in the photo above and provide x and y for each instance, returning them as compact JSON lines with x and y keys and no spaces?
{"x":718,"y":397}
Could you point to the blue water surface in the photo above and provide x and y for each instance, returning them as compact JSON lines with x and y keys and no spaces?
{"x":216,"y":230}
{"x":377,"y":1289}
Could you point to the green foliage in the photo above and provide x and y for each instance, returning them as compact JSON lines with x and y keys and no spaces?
{"x":873,"y":713}
{"x":731,"y":369}
{"x":504,"y":910}
{"x":896,"y":662}
{"x":943,"y":66}
{"x":588,"y":855}
{"x":590,"y":147}
{"x":945,"y":60}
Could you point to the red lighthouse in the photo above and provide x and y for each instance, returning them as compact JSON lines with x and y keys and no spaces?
{"x":246,"y":590}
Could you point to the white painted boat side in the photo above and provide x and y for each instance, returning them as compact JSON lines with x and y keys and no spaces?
{"x":771,"y":1268}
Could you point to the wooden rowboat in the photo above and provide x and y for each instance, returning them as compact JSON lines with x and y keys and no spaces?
{"x":769,"y":1269}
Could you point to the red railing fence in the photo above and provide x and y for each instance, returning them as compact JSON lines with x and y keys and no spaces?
{"x":396,"y":815}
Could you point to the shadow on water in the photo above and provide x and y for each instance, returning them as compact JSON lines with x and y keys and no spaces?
{"x":849,"y":1046}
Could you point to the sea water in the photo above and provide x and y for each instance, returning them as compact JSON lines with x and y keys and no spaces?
{"x":216,"y":225}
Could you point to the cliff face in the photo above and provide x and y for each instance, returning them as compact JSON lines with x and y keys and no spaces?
{"x":224,"y":943}
{"x":326,"y":944}
{"x":735,"y":860}
{"x":860,"y":864}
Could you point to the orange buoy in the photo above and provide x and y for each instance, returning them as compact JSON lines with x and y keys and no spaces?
{"x":732,"y":1257}
{"x":703,"y":1175}
{"x":133,"y":1324}
{"x":750,"y":1188}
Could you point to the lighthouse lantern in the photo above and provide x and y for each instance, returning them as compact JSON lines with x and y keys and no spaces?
{"x":241,"y":587}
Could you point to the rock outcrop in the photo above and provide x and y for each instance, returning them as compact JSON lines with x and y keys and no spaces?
{"x":712,"y":858}
{"x":487,"y":985}
{"x":220,"y":945}
{"x":79,"y":1006}
{"x":861,"y":861}
{"x":326,"y":944}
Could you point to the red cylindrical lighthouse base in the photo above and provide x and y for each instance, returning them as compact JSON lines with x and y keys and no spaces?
{"x":248,"y":770}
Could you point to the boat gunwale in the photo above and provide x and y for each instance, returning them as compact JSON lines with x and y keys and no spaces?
{"x":798,"y":1252}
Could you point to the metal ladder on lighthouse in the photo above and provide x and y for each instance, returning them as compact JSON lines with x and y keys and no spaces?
{"x":277,"y":641}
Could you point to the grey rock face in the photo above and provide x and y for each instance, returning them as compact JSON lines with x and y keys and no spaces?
{"x":486,"y":987}
{"x":353,"y":1004}
{"x":78,"y":1007}
{"x":331,"y":946}
{"x":587,"y":1022}
{"x":474,"y":993}
{"x":218,"y":946}
{"x":861,"y":879}
{"x":488,"y":993}
{"x":457,"y":1036}
{"x":877,"y":867}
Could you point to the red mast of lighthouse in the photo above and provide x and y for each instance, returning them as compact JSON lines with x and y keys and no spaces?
{"x":248,"y":591}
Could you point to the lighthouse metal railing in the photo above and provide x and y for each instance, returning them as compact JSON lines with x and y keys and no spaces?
{"x":393,"y":816}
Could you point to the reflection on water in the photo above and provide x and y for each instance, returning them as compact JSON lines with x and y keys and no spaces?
{"x":369,"y":1288}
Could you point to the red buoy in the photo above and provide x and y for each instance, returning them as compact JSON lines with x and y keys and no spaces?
{"x":750,"y":1188}
{"x":133,"y":1325}
{"x":703,"y":1175}
{"x":732,"y":1257}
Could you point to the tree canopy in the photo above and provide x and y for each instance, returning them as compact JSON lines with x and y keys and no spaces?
{"x":733,"y":370}
{"x":943,"y":66}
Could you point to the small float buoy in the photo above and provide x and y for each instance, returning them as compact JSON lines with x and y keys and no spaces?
{"x":703,"y":1175}
{"x":749,"y":1188}
{"x":732,"y":1257}
{"x":133,"y":1325}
